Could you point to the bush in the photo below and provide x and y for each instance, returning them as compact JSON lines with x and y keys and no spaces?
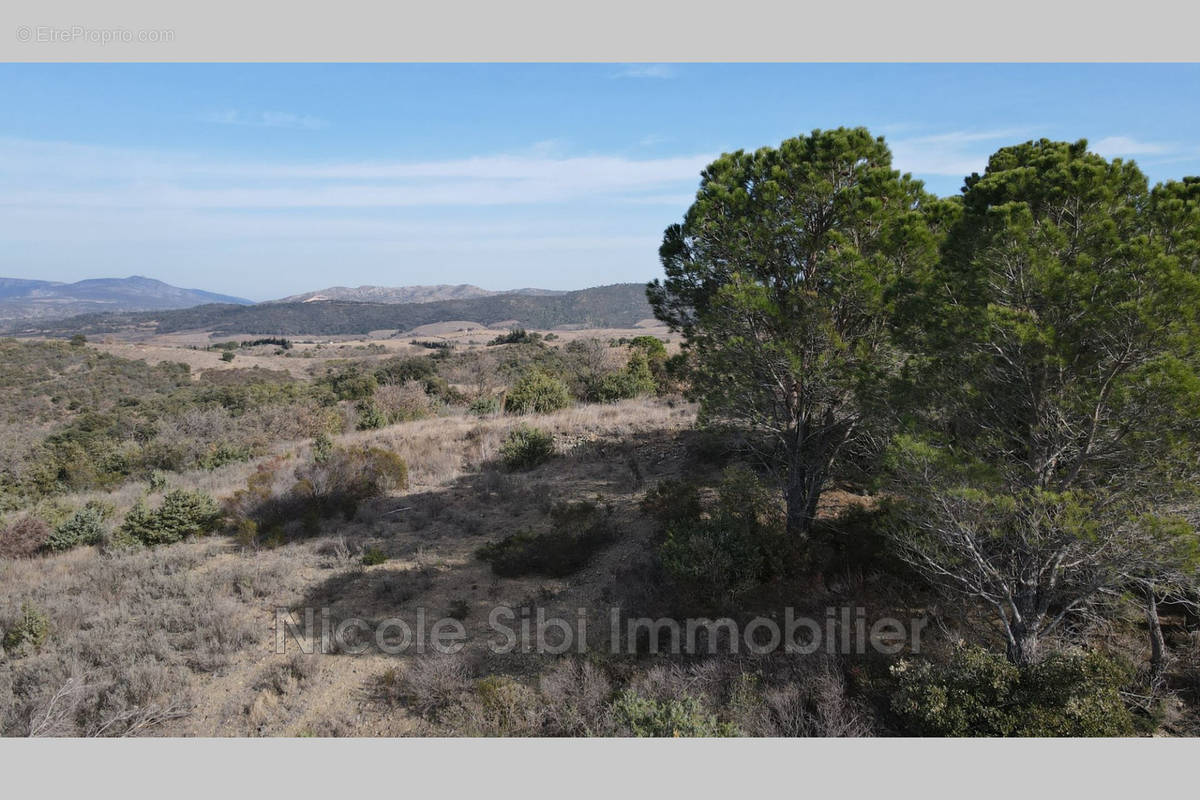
{"x":23,"y":537}
{"x":576,"y":695}
{"x":538,"y":392}
{"x":422,"y":370}
{"x":404,"y":402}
{"x":220,"y":454}
{"x":322,"y":448}
{"x":578,"y":536}
{"x":739,"y":545}
{"x":370,"y":417}
{"x":335,"y":482}
{"x":433,"y":683}
{"x":652,"y":346}
{"x":85,"y":527}
{"x":484,"y":405}
{"x":373,"y":556}
{"x":31,"y":629}
{"x":182,"y":513}
{"x":634,"y":380}
{"x":350,"y":383}
{"x":526,"y":447}
{"x":227,"y":356}
{"x":505,"y":708}
{"x":674,"y":717}
{"x":672,"y":503}
{"x":157,"y":481}
{"x":812,"y":702}
{"x":349,"y":476}
{"x":981,"y":694}
{"x":515,"y":336}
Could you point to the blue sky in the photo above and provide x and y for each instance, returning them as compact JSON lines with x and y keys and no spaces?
{"x":267,"y":180}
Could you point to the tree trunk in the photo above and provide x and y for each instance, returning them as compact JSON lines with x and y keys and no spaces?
{"x":1157,"y":645}
{"x":802,"y":495}
{"x":1022,"y":645}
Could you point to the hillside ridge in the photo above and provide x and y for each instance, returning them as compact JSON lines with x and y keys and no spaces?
{"x":32,"y":299}
{"x":621,"y":305}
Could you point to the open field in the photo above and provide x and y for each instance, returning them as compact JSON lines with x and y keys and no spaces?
{"x":180,"y":639}
{"x":221,"y":665}
{"x":190,"y":347}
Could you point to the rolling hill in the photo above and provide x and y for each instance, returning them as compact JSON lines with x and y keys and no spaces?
{"x":403,"y":294}
{"x":22,"y":299}
{"x":620,"y":305}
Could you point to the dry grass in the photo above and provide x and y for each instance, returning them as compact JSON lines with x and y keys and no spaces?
{"x":440,"y":449}
{"x":179,"y":639}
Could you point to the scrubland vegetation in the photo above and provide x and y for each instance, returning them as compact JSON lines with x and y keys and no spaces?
{"x":977,"y":414}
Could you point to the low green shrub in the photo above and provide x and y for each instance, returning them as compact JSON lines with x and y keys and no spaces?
{"x":675,"y":717}
{"x":740,"y":543}
{"x":651,"y":346}
{"x":373,"y":556}
{"x":484,"y":405}
{"x":30,"y":629}
{"x":537,"y":392}
{"x":979,"y":693}
{"x":526,"y":447}
{"x":157,"y":482}
{"x":370,"y":416}
{"x":350,"y":382}
{"x":634,"y":380}
{"x":84,"y":527}
{"x":181,"y":513}
{"x":220,"y":454}
{"x":322,"y":448}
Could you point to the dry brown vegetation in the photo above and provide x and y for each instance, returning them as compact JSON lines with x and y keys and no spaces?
{"x":179,"y":639}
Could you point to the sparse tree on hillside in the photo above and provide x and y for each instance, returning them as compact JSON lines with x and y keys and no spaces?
{"x":1061,"y":335}
{"x":779,"y":279}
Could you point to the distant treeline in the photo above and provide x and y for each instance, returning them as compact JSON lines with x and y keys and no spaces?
{"x":616,"y":306}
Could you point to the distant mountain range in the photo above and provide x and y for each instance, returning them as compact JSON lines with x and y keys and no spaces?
{"x":29,"y":300}
{"x":405,"y":294}
{"x":621,"y":305}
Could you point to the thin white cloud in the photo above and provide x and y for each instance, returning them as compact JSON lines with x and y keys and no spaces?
{"x":532,"y":213}
{"x":953,"y":154}
{"x":1123,"y":146}
{"x":677,"y":200}
{"x":660,"y":71}
{"x":959,"y":153}
{"x":264,"y":119}
{"x":48,"y":174}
